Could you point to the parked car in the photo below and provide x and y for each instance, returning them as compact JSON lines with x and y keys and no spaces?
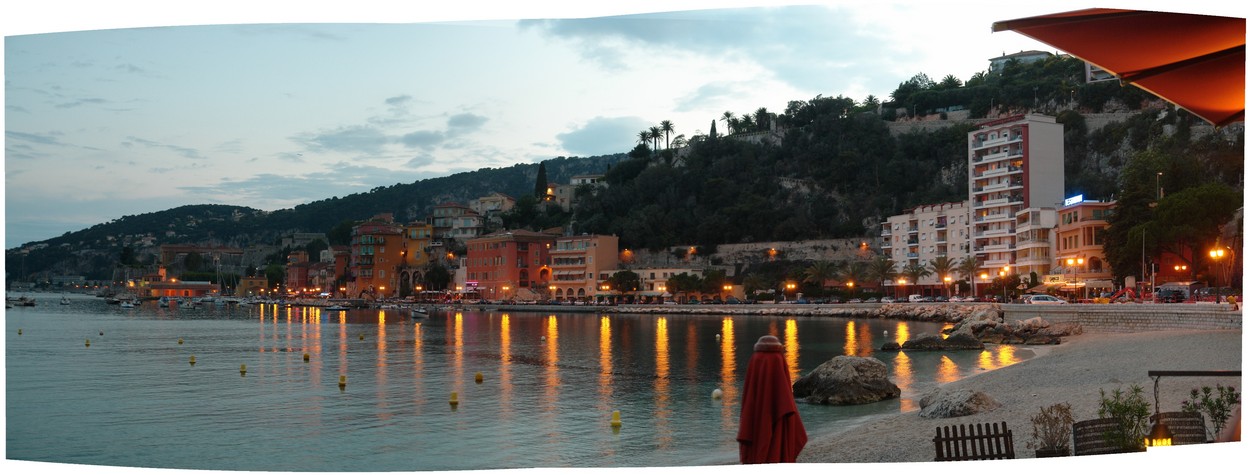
{"x":887,"y":299}
{"x":1170,"y":296}
{"x":870,"y":300}
{"x":1044,"y":300}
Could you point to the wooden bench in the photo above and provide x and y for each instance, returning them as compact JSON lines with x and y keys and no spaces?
{"x":974,"y":442}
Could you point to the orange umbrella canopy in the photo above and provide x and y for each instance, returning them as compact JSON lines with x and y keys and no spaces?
{"x":1197,"y":62}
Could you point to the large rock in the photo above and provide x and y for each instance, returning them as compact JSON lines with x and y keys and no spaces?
{"x":941,"y":404}
{"x":956,"y":341}
{"x":846,"y":380}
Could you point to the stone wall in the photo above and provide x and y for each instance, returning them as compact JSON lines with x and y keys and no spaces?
{"x":1128,"y":318}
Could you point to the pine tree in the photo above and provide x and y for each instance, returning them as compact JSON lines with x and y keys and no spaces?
{"x":540,"y":184}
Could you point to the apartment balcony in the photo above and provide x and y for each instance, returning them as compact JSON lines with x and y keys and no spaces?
{"x":991,"y":203}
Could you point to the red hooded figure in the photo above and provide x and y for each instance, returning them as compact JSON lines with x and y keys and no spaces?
{"x":769,"y":430}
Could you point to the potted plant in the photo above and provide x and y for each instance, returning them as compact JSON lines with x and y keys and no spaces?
{"x":1131,"y":415}
{"x":1217,"y":406}
{"x":1052,"y":429}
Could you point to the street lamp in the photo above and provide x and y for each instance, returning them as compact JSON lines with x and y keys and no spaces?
{"x":902,"y":287}
{"x":1003,"y":274}
{"x":985,"y":277}
{"x":1217,"y":254}
{"x":947,"y":280}
{"x":1078,"y":261}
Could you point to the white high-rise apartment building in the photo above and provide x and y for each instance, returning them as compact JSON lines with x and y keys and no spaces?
{"x":1015,"y":165}
{"x":925,"y":233}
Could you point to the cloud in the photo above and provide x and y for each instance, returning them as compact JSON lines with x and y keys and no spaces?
{"x":356,"y":138}
{"x":426,"y":139}
{"x":603,"y":135}
{"x":464,"y":123}
{"x":274,"y":191}
{"x":184,"y":151}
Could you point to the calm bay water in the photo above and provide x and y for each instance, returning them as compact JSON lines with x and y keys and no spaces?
{"x":550,"y":383}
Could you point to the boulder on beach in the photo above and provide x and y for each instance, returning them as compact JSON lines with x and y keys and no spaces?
{"x":941,"y":404}
{"x":846,"y":380}
{"x":931,"y":342}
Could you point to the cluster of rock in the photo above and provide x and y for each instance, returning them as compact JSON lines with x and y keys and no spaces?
{"x":989,"y":327}
{"x":940,"y":403}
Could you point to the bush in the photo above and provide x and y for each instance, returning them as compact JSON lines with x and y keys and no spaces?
{"x":1132,"y":415}
{"x":1052,"y":427}
{"x":1217,"y":409}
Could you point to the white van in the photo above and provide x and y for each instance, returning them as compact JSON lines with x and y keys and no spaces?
{"x":914,"y":297}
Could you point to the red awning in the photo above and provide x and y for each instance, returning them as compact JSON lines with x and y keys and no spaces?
{"x":1197,"y":62}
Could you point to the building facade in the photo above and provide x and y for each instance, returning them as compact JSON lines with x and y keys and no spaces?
{"x":1079,"y":262}
{"x":925,"y":233}
{"x":579,"y":262}
{"x":1013,"y":164}
{"x":508,"y":265}
{"x":456,"y":221}
{"x":377,"y":247}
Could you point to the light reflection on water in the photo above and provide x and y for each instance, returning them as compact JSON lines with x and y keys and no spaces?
{"x":550,"y":384}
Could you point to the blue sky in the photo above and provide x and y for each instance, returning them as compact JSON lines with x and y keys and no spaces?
{"x":111,"y":113}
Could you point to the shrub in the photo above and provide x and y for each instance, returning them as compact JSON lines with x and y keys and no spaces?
{"x":1052,"y":427}
{"x":1132,"y":415}
{"x":1217,"y":409}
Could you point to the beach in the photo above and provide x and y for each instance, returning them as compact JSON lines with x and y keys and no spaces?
{"x":1072,"y":372}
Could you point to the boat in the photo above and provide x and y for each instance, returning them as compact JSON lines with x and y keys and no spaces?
{"x":64,"y":300}
{"x":336,"y":308}
{"x":127,"y":304}
{"x":420,"y":313}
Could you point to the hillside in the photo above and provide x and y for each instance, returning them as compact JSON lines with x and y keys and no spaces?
{"x":824,"y":168}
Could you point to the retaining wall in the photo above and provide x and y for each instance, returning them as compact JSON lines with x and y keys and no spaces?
{"x":1126,"y":318}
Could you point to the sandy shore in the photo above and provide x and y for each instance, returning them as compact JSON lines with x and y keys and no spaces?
{"x":1071,"y":372}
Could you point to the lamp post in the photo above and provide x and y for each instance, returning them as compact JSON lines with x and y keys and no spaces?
{"x":947,"y":280}
{"x":1078,"y":261}
{"x":1003,"y":274}
{"x":1217,"y":254}
{"x":902,"y":286}
{"x":985,"y":277}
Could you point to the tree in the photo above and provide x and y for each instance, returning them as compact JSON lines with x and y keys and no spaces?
{"x":625,"y":281}
{"x":314,"y":248}
{"x":540,"y":183}
{"x":942,"y":267}
{"x":655,"y":134}
{"x":436,"y":277}
{"x":666,"y":126}
{"x":820,"y":272}
{"x":1191,"y":219}
{"x":855,"y":271}
{"x":968,"y":267}
{"x":341,"y":234}
{"x":729,"y":119}
{"x":275,"y":275}
{"x":762,"y":119}
{"x":881,"y":270}
{"x":193,"y":262}
{"x":683,"y":283}
{"x":915,"y":272}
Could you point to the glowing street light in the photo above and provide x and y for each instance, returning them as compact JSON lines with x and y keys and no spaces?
{"x":947,"y":280}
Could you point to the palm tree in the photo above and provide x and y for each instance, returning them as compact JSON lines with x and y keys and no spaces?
{"x":730,"y":121}
{"x":820,"y":272}
{"x":881,"y":269}
{"x":655,"y":135}
{"x":666,"y":126}
{"x":942,"y":267}
{"x":745,"y":124}
{"x":968,"y":268}
{"x":644,"y":137}
{"x":762,"y":118}
{"x":915,"y":272}
{"x":854,"y":271}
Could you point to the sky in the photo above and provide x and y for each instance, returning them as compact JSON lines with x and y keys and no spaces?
{"x":135,"y":106}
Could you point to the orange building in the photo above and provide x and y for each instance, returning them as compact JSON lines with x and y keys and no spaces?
{"x":509,"y":265}
{"x":377,"y":254}
{"x":1080,"y":263}
{"x":580,"y":263}
{"x":416,"y":256}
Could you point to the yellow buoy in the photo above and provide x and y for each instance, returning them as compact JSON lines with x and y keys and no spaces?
{"x":305,"y":357}
{"x":342,"y":381}
{"x":478,"y":377}
{"x":242,"y":369}
{"x":454,"y":401}
{"x":616,"y":419}
{"x":180,"y":341}
{"x":362,"y":336}
{"x":19,"y":331}
{"x":717,"y":393}
{"x":192,"y":360}
{"x":88,"y":342}
{"x":101,"y":332}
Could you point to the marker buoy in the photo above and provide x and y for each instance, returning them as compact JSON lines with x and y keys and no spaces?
{"x":362,"y":336}
{"x":88,"y":342}
{"x":19,"y":331}
{"x":192,"y":360}
{"x":718,"y":337}
{"x":342,"y":381}
{"x":454,"y":401}
{"x":180,"y":341}
{"x":242,"y":369}
{"x":101,"y":332}
{"x":616,"y":419}
{"x":717,"y":393}
{"x":305,"y":357}
{"x":543,"y":338}
{"x":478,"y":377}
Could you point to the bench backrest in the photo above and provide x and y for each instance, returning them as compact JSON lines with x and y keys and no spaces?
{"x":974,"y":442}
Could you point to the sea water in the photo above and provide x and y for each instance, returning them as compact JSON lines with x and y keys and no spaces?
{"x":93,"y":383}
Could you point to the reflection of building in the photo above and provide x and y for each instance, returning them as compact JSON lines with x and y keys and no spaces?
{"x":578,"y":261}
{"x":1079,"y":239}
{"x":1013,"y":164}
{"x":376,"y":256}
{"x":509,"y":264}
